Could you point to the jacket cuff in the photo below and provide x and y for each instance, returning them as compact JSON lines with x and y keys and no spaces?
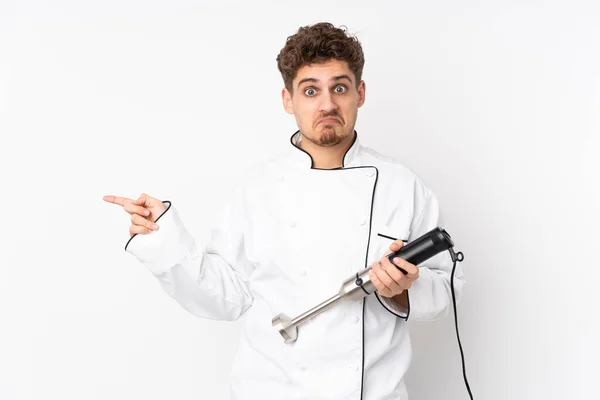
{"x":393,"y":307}
{"x":161,"y":249}
{"x":426,"y":303}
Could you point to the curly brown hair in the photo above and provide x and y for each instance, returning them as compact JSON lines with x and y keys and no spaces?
{"x":319,"y":43}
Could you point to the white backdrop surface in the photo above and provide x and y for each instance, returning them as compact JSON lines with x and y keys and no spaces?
{"x":495,"y":104}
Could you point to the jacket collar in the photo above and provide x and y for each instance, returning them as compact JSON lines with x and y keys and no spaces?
{"x":301,"y":157}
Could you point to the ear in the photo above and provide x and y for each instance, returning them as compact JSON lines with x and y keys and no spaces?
{"x":286,"y":99}
{"x":362,"y":91}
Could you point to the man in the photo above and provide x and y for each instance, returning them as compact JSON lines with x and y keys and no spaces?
{"x":300,"y":224}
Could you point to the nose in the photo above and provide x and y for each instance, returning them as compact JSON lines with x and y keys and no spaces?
{"x":328,"y":104}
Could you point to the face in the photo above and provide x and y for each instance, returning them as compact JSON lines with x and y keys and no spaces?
{"x":325,"y":101}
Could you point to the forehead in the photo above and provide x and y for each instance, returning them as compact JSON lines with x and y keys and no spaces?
{"x":323,"y":72}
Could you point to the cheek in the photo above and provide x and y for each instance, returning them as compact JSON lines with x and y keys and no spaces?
{"x":350,"y":112}
{"x":305,"y":113}
{"x":302,"y":121}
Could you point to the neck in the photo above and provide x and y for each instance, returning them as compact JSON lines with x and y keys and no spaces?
{"x":327,"y":157}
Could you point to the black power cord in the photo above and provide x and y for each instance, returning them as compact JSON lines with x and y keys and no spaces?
{"x":458,"y":257}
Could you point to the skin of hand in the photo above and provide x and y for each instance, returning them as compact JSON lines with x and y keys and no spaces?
{"x":389,"y":280}
{"x":144,"y":211}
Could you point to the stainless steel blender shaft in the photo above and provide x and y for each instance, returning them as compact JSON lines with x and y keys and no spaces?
{"x":315,"y":310}
{"x":354,"y":288}
{"x":359,"y":285}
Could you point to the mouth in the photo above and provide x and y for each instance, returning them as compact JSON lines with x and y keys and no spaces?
{"x":328,"y":121}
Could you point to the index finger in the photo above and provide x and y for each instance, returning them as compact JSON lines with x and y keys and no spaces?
{"x":393,"y":272}
{"x":397,"y":244}
{"x":115,"y":199}
{"x":411,"y":269}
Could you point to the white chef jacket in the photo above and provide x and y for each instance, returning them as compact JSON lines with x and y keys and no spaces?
{"x":286,"y":239}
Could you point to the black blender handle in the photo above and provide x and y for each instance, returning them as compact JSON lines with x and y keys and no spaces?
{"x":423,"y":248}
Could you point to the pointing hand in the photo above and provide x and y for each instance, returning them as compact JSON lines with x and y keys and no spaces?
{"x":144,"y":211}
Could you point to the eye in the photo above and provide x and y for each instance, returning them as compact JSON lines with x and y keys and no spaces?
{"x":310,"y":91}
{"x":342,"y":87}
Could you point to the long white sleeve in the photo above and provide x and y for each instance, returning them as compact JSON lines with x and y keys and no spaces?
{"x":210,"y":282}
{"x":430,"y":296}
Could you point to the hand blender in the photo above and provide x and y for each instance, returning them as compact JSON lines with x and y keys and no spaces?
{"x":359,"y":285}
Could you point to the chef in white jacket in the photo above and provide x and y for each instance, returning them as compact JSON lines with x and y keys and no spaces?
{"x":294,"y":228}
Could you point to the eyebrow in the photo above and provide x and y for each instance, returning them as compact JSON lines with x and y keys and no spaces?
{"x":335,"y":78}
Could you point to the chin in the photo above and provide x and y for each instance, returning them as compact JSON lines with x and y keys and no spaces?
{"x":330,"y":135}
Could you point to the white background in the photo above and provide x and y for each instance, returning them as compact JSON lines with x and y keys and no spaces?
{"x":496,"y":105}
